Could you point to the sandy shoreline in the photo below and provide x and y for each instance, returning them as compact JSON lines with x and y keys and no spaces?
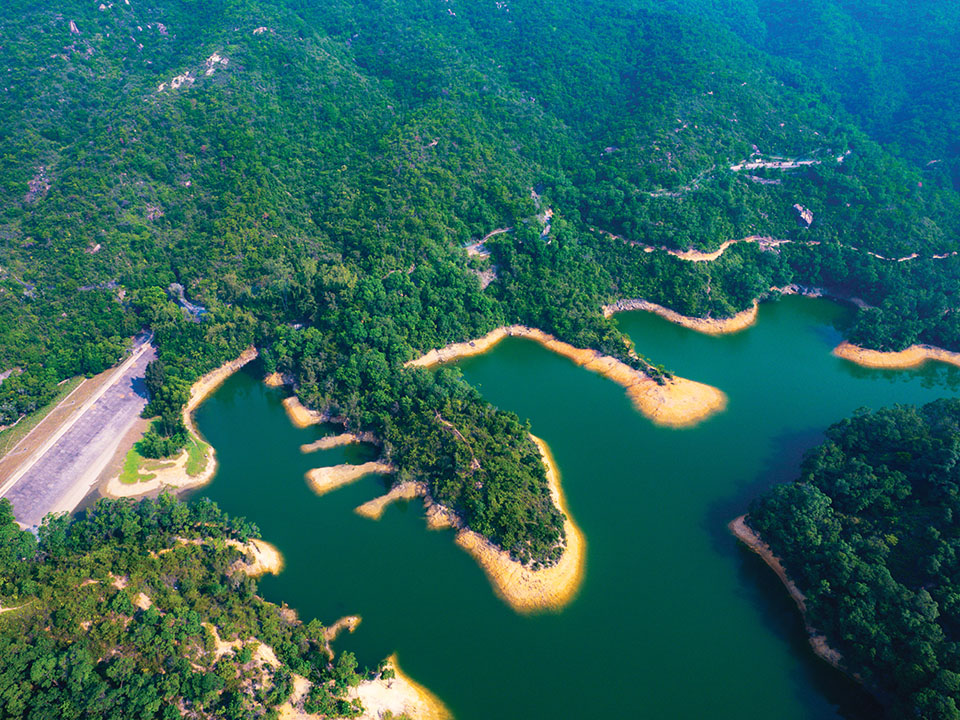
{"x":326,"y":479}
{"x":266,"y":559}
{"x":749,"y":537}
{"x":300,"y":415}
{"x":526,"y":590}
{"x":677,"y":403}
{"x":374,"y":509}
{"x":400,"y":695}
{"x":175,"y":474}
{"x":912,"y":357}
{"x":348,"y":623}
{"x":332,"y":441}
{"x":523,"y":589}
{"x":709,"y":326}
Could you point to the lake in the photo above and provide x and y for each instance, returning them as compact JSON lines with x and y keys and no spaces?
{"x":674,"y":619}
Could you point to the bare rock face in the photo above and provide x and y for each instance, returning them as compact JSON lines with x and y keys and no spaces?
{"x":804,"y":215}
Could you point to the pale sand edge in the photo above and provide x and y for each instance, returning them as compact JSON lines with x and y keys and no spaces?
{"x":176,"y":476}
{"x":709,"y":326}
{"x":332,"y":441}
{"x":347,"y":622}
{"x":677,"y":403}
{"x":374,"y":509}
{"x":267,"y":559}
{"x":523,"y":589}
{"x":264,"y":557}
{"x":818,"y":642}
{"x":300,"y":415}
{"x":326,"y":479}
{"x":911,"y":357}
{"x":276,"y":379}
{"x":401,"y":695}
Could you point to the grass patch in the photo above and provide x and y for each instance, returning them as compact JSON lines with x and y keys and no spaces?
{"x":196,"y":456}
{"x":131,"y":474}
{"x":11,"y":436}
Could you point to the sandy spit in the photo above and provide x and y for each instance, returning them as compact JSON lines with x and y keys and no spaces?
{"x":348,"y":623}
{"x":749,"y":537}
{"x":300,"y":415}
{"x":175,"y":475}
{"x":325,"y":479}
{"x":911,"y":357}
{"x":523,"y":589}
{"x":709,"y":326}
{"x":332,"y":441}
{"x":374,"y":509}
{"x":678,"y":403}
{"x":264,"y":557}
{"x":400,"y":696}
{"x":526,"y":590}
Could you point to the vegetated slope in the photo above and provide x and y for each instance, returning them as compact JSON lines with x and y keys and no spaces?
{"x":869,"y":534}
{"x":118,"y":614}
{"x":309,"y":172}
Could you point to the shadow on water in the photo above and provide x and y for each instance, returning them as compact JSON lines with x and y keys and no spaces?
{"x":778,"y":613}
{"x":759,"y":586}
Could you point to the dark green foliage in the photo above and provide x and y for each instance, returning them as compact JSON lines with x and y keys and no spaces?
{"x":869,"y":533}
{"x":313,"y":194}
{"x":78,"y":643}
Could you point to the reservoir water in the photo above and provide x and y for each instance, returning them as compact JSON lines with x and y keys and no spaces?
{"x":674,"y":620}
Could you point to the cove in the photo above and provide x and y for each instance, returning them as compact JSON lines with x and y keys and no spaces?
{"x":674,"y":619}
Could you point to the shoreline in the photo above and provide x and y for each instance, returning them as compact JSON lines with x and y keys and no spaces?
{"x":400,"y":695}
{"x":678,"y":403}
{"x":818,"y":642}
{"x":267,"y":559}
{"x":327,"y":479}
{"x":525,"y":590}
{"x":175,"y":476}
{"x":709,"y":326}
{"x":735,"y":323}
{"x":911,"y":357}
{"x":332,"y":441}
{"x":374,"y":509}
{"x":347,"y":622}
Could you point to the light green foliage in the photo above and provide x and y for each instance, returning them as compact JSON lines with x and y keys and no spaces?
{"x":82,"y":645}
{"x":313,"y":193}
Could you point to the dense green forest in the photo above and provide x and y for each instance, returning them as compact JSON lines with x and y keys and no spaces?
{"x":310,"y":173}
{"x":116,"y":614}
{"x":869,"y":534}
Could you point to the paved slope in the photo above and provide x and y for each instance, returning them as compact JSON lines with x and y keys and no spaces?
{"x":59,"y":474}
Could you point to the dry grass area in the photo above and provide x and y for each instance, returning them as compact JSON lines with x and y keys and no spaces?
{"x":20,"y":429}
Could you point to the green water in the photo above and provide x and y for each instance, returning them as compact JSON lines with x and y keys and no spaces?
{"x":674,"y":620}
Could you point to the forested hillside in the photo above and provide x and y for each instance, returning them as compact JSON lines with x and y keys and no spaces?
{"x":311,"y":172}
{"x":869,"y":534}
{"x":124,"y":614}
